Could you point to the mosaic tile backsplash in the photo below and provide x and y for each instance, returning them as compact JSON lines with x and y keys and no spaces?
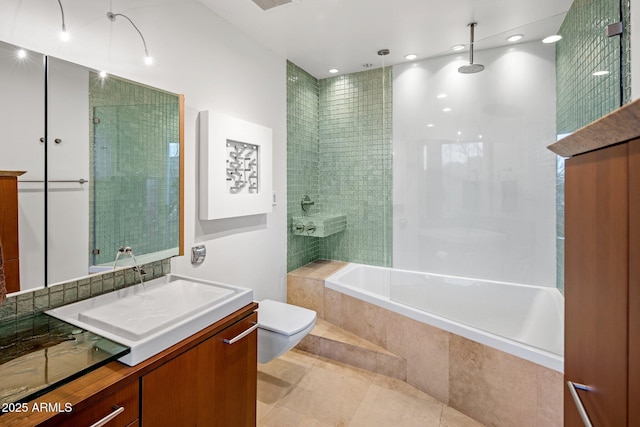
{"x":339,"y":153}
{"x":134,"y":190}
{"x":581,"y":96}
{"x":28,"y":303}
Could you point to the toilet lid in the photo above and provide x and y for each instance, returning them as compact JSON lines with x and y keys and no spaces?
{"x":285,"y":319}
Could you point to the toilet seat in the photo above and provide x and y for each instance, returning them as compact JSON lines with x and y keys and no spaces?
{"x":284,"y":319}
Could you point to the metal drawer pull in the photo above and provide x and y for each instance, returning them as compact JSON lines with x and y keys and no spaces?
{"x":117,"y":410}
{"x":576,"y":399}
{"x":242,"y":335}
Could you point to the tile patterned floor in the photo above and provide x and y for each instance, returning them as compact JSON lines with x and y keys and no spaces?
{"x":301,"y":389}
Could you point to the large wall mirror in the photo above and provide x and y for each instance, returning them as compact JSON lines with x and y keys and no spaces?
{"x":102,"y":167}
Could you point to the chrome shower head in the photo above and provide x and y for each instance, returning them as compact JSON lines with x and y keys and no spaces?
{"x":471,"y":68}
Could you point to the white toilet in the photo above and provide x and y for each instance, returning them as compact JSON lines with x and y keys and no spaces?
{"x":281,"y":327}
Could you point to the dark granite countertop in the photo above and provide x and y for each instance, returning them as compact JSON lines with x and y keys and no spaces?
{"x":39,"y":353}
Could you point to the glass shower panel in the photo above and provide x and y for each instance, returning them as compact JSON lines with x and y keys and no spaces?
{"x":473,"y":184}
{"x":477,"y":197}
{"x":135,"y":179}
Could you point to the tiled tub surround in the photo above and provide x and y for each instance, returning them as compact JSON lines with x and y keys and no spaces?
{"x":489,"y":385}
{"x":28,"y":303}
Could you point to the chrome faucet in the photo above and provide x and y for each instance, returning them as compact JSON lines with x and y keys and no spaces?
{"x":126,"y":250}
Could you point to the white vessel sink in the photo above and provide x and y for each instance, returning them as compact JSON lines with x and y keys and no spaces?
{"x":151,"y":317}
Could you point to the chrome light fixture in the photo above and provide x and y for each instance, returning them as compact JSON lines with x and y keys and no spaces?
{"x":64,"y":34}
{"x":147,"y":58}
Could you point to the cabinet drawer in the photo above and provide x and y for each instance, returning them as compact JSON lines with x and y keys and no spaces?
{"x":126,"y":397}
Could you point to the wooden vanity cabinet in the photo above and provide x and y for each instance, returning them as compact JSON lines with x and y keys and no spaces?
{"x":213,"y":384}
{"x":602,"y":270}
{"x":596,"y":285}
{"x":208,"y":380}
{"x":107,"y":407}
{"x":9,"y":228}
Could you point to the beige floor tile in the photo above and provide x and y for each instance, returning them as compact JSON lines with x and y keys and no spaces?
{"x":402,"y":387}
{"x":453,"y":418}
{"x":385,"y":408}
{"x":301,"y":389}
{"x":344,"y":369}
{"x":299,"y":357}
{"x":334,"y":333}
{"x":262,"y":409}
{"x":329,"y":396}
{"x":285,"y":417}
{"x":277,"y":378}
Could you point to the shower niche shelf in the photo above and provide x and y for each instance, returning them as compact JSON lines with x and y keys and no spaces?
{"x":319,"y":225}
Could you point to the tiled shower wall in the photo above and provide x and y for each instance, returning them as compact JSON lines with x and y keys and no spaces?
{"x":356,"y":165}
{"x":302,"y":160}
{"x":581,"y":96}
{"x":339,"y":152}
{"x":135,"y":168}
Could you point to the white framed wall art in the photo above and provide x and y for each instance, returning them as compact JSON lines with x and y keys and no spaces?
{"x":235,"y":167}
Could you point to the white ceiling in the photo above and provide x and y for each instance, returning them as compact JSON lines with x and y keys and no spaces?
{"x":321,"y":34}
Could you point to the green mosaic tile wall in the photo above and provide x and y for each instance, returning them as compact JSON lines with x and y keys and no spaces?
{"x":339,"y":152}
{"x":582,"y":97}
{"x":302,"y":160}
{"x":135,"y":168}
{"x":356,"y":165}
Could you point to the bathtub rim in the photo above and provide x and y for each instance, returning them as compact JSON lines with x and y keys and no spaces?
{"x":533,"y":354}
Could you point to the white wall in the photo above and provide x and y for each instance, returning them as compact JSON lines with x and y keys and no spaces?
{"x":474,"y":195}
{"x":216,"y":67}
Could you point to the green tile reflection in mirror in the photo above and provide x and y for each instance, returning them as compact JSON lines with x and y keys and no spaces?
{"x":135,"y":168}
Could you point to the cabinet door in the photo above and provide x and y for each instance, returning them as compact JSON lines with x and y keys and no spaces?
{"x":119,"y":408}
{"x":596,"y":268}
{"x":213,"y":384}
{"x":634,"y":283}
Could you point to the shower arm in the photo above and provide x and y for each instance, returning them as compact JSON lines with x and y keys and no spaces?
{"x":471,"y":42}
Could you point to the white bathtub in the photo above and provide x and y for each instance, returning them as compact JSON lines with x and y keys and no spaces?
{"x":525,"y":321}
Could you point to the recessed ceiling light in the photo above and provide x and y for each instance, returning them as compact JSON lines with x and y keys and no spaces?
{"x":430,"y":125}
{"x":411,"y":56}
{"x":446,"y":109}
{"x":459,"y":133}
{"x":442,"y":95}
{"x":333,"y":70}
{"x":515,"y":38}
{"x":21,"y":53}
{"x":102,"y":74}
{"x":552,"y":39}
{"x":480,"y":136}
{"x":601,"y":73}
{"x":457,"y":47}
{"x":367,"y":65}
